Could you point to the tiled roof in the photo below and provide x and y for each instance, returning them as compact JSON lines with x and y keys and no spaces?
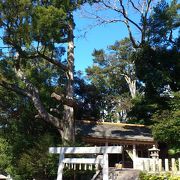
{"x":115,"y":131}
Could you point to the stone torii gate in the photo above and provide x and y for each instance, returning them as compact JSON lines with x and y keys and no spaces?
{"x":104,"y":150}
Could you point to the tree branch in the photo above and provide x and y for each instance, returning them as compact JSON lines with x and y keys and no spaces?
{"x":126,"y":17}
{"x":53,"y":61}
{"x":14,"y":88}
{"x":55,"y":110}
{"x":133,"y":5}
{"x":64,"y":100}
{"x":33,"y":93}
{"x":38,"y":54}
{"x":130,"y":35}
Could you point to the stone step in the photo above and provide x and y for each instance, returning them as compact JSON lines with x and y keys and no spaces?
{"x":124,"y":174}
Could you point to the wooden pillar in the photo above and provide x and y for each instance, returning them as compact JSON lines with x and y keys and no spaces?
{"x":134,"y":155}
{"x":123,"y":156}
{"x":60,"y":167}
{"x":134,"y":151}
{"x":105,"y":167}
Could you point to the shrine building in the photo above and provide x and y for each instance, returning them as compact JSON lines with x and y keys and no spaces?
{"x":135,"y":139}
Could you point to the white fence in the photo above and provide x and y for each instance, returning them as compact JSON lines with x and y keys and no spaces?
{"x":157,"y":165}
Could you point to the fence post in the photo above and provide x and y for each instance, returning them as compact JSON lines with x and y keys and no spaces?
{"x":143,"y":165}
{"x":173,"y":164}
{"x":166,"y":165}
{"x":154,"y":165}
{"x":179,"y":164}
{"x":148,"y":165}
{"x":160,"y":165}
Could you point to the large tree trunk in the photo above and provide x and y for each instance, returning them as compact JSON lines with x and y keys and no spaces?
{"x":132,"y":86}
{"x":68,"y":134}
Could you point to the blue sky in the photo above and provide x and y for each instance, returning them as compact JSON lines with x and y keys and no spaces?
{"x":97,"y":38}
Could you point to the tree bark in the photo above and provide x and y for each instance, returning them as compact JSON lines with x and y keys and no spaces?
{"x":68,"y":133}
{"x":132,"y":86}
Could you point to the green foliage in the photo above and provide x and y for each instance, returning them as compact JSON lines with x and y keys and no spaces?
{"x":36,"y":162}
{"x":15,"y":16}
{"x":156,"y":68}
{"x":168,"y":127}
{"x":46,"y":17}
{"x":88,"y":98}
{"x":5,"y":156}
{"x":31,"y":29}
{"x":146,"y":176}
{"x":79,"y":174}
{"x":25,"y":142}
{"x":142,"y":110}
{"x":162,"y":23}
{"x":26,"y":139}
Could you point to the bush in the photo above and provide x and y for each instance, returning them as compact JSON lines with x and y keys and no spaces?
{"x":147,"y":176}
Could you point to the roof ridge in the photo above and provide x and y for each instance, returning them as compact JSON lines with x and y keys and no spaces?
{"x":110,"y":123}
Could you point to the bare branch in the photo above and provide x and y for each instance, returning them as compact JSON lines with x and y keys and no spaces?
{"x":111,"y":7}
{"x":133,"y":5}
{"x":126,"y":17}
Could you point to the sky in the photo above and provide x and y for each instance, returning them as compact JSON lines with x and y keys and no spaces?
{"x":98,"y":37}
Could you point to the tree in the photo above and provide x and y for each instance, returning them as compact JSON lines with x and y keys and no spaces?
{"x":88,"y":98}
{"x":113,"y":73}
{"x":34,"y":30}
{"x":157,"y":65}
{"x":5,"y":156}
{"x":162,"y":24}
{"x":27,"y":139}
{"x":167,"y":127}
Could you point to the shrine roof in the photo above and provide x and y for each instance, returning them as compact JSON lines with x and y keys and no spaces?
{"x":120,"y":131}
